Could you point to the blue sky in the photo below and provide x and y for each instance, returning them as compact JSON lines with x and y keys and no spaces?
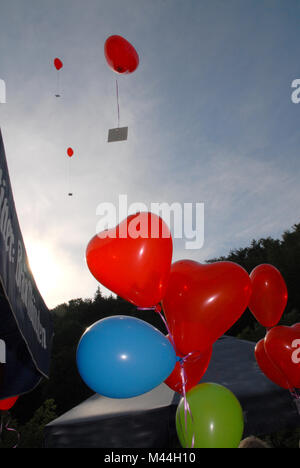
{"x":209,"y":113}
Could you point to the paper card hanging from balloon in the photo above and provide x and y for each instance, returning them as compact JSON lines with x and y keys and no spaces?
{"x":117,"y":134}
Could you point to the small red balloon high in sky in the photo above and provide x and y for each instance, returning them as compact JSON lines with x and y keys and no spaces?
{"x":121,"y":56}
{"x":58,"y":65}
{"x":70,"y":152}
{"x":123,"y":59}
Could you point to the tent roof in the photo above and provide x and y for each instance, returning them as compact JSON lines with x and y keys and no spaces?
{"x":99,"y":407}
{"x":149,"y":420}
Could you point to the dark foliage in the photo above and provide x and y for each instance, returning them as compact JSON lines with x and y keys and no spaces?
{"x":284,"y":254}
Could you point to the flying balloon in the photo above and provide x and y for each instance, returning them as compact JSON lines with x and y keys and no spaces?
{"x":58,"y":65}
{"x":70,"y":152}
{"x":123,"y":59}
{"x":121,"y":56}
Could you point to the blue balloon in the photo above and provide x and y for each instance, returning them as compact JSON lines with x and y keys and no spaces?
{"x":122,"y":357}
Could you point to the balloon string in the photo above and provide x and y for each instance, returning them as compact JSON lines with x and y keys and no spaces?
{"x":294,"y":393}
{"x":117,"y":91}
{"x":8,"y":429}
{"x":182,"y":361}
{"x":187,"y":408}
{"x":57,"y":86}
{"x":296,"y":396}
{"x":69,"y":176}
{"x":158,"y":309}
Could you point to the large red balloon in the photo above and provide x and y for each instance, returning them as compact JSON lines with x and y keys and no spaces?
{"x":195,"y":367}
{"x":269,"y":295}
{"x":268,"y":367}
{"x":282,"y":345}
{"x":8,"y":403}
{"x":121,"y":56}
{"x":203,"y":301}
{"x":134,"y":259}
{"x":58,"y":63}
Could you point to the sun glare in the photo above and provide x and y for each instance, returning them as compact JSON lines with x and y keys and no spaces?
{"x":44,"y":267}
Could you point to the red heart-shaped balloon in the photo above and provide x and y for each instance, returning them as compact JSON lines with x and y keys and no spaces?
{"x":203,"y":301}
{"x":195,"y":367}
{"x":282,"y":345}
{"x":268,"y":367}
{"x":269,"y":295}
{"x":134,"y":259}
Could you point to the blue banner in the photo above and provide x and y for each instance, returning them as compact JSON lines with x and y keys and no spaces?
{"x":26,"y":328}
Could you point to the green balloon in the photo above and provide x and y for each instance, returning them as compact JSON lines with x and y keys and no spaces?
{"x":216,"y":419}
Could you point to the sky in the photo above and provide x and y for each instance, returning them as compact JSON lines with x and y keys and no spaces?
{"x":209,"y":114}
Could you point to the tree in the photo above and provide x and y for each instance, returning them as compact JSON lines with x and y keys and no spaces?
{"x":282,"y":253}
{"x":31,"y":434}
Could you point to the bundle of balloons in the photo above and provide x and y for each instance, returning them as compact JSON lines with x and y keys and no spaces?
{"x":123,"y":357}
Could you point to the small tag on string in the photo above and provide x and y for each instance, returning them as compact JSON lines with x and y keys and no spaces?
{"x":117,"y":134}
